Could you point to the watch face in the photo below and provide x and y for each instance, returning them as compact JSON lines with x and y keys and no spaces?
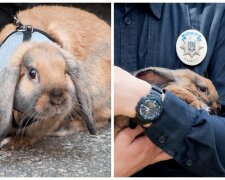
{"x":150,"y":109}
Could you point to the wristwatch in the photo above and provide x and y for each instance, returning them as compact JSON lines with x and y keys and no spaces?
{"x":149,"y":108}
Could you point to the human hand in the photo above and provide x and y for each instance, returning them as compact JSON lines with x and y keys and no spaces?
{"x":128,"y":90}
{"x":132,"y":153}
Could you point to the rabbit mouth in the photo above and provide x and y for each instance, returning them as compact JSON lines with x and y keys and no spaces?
{"x":59,"y":111}
{"x":33,"y":114}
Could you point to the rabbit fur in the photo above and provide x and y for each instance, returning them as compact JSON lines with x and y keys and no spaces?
{"x":73,"y":76}
{"x":195,"y":90}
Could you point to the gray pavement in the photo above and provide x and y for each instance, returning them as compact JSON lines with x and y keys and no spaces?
{"x":77,"y":155}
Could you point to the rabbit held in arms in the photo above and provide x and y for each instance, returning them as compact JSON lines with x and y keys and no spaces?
{"x":195,"y":90}
{"x":62,"y":84}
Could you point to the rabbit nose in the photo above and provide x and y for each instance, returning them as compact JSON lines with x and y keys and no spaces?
{"x":56,"y":96}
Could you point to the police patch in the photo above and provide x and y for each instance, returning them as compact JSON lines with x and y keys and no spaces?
{"x":191,"y":47}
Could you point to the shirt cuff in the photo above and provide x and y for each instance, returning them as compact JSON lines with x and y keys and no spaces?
{"x":169,"y":131}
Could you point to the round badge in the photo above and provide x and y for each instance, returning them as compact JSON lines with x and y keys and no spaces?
{"x":191,"y":47}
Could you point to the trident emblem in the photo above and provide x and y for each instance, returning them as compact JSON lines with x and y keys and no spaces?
{"x":191,"y":46}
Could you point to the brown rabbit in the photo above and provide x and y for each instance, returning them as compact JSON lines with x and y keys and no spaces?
{"x":56,"y":83}
{"x":190,"y":87}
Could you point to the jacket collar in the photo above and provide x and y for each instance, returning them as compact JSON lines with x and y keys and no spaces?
{"x":156,"y":9}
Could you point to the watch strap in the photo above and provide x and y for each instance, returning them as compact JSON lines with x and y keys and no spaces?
{"x":132,"y":123}
{"x":156,"y":91}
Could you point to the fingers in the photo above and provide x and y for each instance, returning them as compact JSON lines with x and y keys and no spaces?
{"x":133,"y":152}
{"x":150,"y":151}
{"x":144,"y":143}
{"x":130,"y":134}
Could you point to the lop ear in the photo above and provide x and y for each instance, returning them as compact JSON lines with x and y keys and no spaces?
{"x":10,"y":60}
{"x":156,"y":75}
{"x":77,"y":75}
{"x":9,"y":76}
{"x":85,"y":102}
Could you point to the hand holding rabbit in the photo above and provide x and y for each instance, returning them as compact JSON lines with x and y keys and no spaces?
{"x":192,"y":88}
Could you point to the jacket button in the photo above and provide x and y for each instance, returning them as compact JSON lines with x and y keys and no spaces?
{"x":127,"y":20}
{"x":162,"y":139}
{"x":189,"y":162}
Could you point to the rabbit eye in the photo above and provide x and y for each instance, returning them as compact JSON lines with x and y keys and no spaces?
{"x":32,"y":73}
{"x":203,"y":89}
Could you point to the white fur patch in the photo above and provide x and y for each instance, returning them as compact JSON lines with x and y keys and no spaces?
{"x":61,"y":133}
{"x":5,"y":141}
{"x":207,"y":109}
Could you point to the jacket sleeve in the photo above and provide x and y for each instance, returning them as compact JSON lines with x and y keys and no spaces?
{"x":194,"y":138}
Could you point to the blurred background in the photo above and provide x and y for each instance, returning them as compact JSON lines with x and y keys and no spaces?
{"x":102,"y":10}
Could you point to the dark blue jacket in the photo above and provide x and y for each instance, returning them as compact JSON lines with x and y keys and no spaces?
{"x":146,"y":35}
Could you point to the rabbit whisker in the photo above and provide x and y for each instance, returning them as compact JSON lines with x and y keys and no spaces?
{"x":27,"y":112}
{"x":38,"y":116}
{"x":29,"y":119}
{"x":81,"y":119}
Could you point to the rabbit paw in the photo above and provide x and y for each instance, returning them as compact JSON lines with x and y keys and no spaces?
{"x":5,"y":142}
{"x":16,"y":143}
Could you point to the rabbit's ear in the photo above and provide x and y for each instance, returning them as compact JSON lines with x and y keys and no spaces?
{"x":155,"y":75}
{"x":77,"y":75}
{"x":85,"y":104}
{"x":9,"y":76}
